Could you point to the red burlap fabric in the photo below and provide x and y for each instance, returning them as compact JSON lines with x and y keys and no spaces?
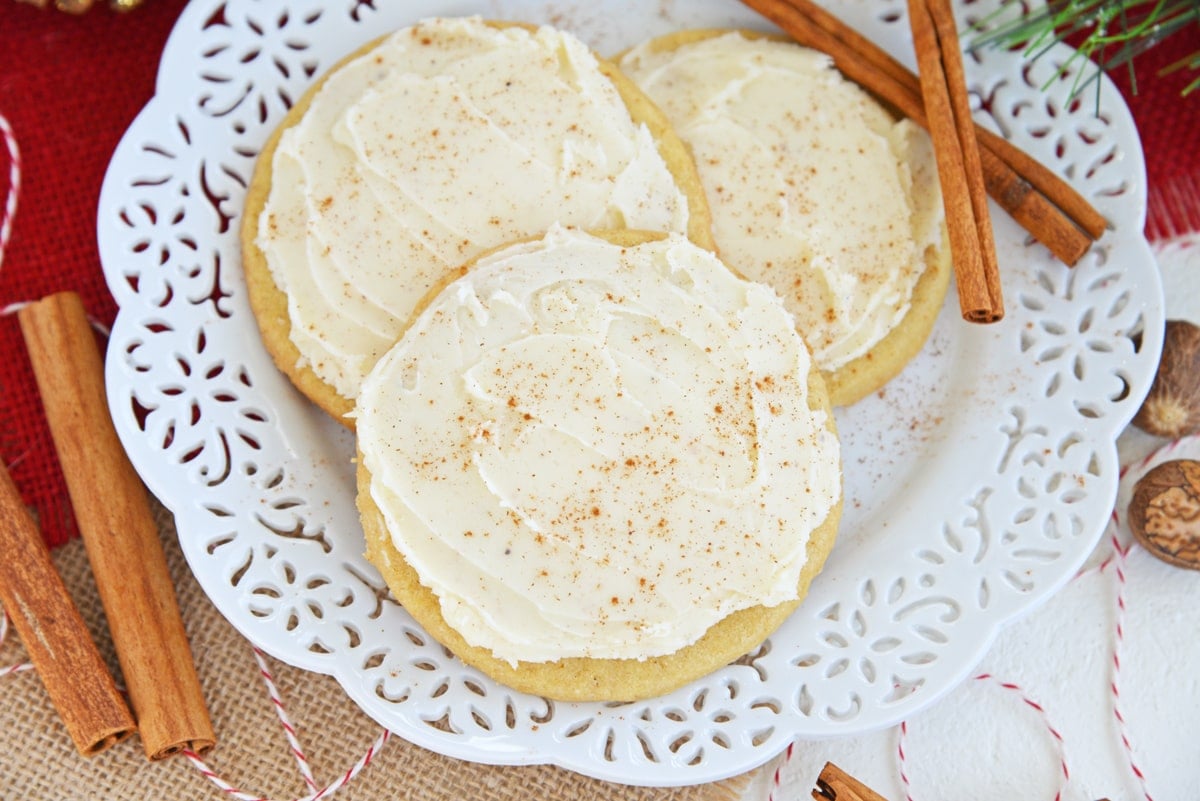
{"x":1170,"y":131}
{"x":70,"y":86}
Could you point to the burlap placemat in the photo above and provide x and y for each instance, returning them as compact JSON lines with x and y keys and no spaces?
{"x":38,"y":761}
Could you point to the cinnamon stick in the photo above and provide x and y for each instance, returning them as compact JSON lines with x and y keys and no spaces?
{"x":1064,"y":196}
{"x":944,"y":89}
{"x":58,"y":642}
{"x":834,"y":784}
{"x":1037,"y":199}
{"x":118,"y":530}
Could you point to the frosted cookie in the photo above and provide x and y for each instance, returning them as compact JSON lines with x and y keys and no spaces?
{"x":423,"y":150}
{"x":814,"y":190}
{"x":598,"y":467}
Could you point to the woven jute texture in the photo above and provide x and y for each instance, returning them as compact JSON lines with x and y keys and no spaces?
{"x":38,"y":761}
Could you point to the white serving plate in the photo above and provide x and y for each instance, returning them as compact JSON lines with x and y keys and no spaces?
{"x":977,"y":482}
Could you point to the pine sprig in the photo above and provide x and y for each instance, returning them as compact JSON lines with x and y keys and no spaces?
{"x":1111,"y":33}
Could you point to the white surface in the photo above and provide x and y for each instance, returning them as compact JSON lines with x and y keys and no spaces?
{"x":983,"y":743}
{"x":976,"y":484}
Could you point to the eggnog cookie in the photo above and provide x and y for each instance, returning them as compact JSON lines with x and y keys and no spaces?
{"x":421,"y":151}
{"x":597,"y":467}
{"x":814,"y":189}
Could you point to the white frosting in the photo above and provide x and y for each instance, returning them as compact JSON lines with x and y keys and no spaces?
{"x":814,"y":189}
{"x":449,"y":138}
{"x":588,"y":450}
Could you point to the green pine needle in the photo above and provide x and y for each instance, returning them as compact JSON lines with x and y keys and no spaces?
{"x":1114,"y":32}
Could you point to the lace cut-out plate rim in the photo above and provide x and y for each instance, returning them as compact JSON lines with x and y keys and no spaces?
{"x":270,"y":534}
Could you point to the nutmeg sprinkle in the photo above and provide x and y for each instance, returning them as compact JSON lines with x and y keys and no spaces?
{"x":449,"y":138}
{"x":815,"y":190}
{"x":636,"y":514}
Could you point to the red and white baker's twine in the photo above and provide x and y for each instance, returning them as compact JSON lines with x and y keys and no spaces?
{"x":787,"y":755}
{"x":14,"y":185}
{"x":289,"y":730}
{"x":1009,"y":687}
{"x":1117,"y":562}
{"x":9,"y":211}
{"x":317,"y":792}
{"x":19,"y":667}
{"x":1118,"y":565}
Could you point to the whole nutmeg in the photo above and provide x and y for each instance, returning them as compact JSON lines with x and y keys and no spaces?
{"x":1172,"y":409}
{"x":1164,"y":513}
